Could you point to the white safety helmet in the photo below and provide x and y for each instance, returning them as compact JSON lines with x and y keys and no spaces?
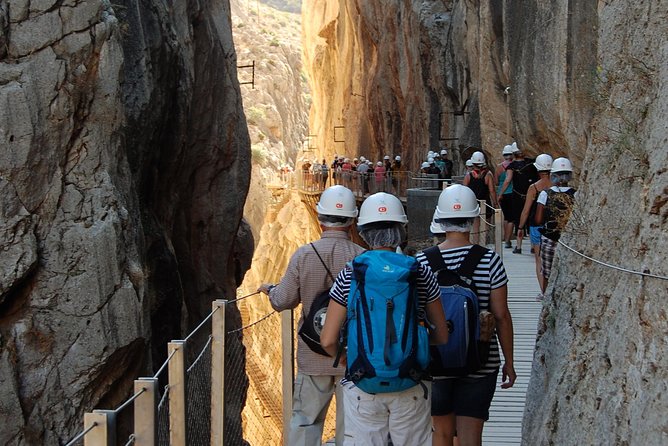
{"x":355,"y":159}
{"x":457,"y":201}
{"x":543,"y":162}
{"x":478,"y":158}
{"x":379,"y":163}
{"x":386,"y":157}
{"x":346,"y":160}
{"x":469,"y":163}
{"x":430,"y":154}
{"x":397,"y":158}
{"x":337,"y":200}
{"x":435,"y":227}
{"x":515,"y":148}
{"x":362,"y":159}
{"x":430,"y":160}
{"x":381,"y":207}
{"x":425,"y":165}
{"x":507,"y":150}
{"x":444,"y":152}
{"x":369,"y":162}
{"x":561,"y":165}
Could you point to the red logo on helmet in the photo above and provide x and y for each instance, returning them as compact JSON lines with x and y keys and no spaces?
{"x":382,"y":209}
{"x":339,"y":205}
{"x":457,"y":206}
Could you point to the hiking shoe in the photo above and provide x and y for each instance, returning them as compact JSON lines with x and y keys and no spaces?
{"x":508,"y":244}
{"x":540,"y":297}
{"x":532,"y":251}
{"x":517,"y":251}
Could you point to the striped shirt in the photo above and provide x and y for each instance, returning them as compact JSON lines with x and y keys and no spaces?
{"x":487,"y":276}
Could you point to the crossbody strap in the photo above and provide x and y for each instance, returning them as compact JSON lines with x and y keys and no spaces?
{"x":323,"y":262}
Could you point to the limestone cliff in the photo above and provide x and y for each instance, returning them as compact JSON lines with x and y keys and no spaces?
{"x":568,"y":78}
{"x":124,"y":164}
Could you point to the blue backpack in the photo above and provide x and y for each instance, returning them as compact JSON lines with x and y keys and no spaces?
{"x":464,"y":353}
{"x":388,"y":349}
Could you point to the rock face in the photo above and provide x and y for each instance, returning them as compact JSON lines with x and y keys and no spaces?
{"x":124,"y":167}
{"x":571,"y":79}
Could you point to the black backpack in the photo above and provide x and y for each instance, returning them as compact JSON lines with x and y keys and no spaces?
{"x":315,"y":319}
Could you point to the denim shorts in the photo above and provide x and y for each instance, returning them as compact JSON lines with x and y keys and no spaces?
{"x":466,"y":397}
{"x":535,"y":235}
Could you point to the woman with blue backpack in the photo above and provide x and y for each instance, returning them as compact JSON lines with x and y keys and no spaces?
{"x":383,"y":302}
{"x":473,"y":282}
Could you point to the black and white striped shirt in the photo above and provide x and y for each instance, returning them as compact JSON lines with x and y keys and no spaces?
{"x":488,"y":275}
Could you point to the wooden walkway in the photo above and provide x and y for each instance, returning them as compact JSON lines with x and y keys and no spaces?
{"x":505,"y":423}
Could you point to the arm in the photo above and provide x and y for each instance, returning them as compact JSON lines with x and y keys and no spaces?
{"x":531,"y":195}
{"x":329,"y":337}
{"x":285,"y":295}
{"x":498,"y":302}
{"x":467,"y":179}
{"x":436,"y":316}
{"x":506,"y":183}
{"x":489,"y":179}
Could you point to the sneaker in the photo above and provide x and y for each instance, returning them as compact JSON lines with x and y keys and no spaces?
{"x":508,"y":244}
{"x":517,"y":251}
{"x":540,"y":297}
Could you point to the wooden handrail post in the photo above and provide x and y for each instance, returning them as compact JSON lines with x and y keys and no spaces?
{"x":498,"y":232}
{"x":104,"y":433}
{"x":218,"y":373}
{"x":146,"y":412}
{"x":288,"y":372}
{"x":482,"y":227}
{"x":177,"y":393}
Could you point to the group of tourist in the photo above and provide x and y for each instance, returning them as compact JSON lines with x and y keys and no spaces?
{"x":387,"y":386}
{"x":530,"y":193}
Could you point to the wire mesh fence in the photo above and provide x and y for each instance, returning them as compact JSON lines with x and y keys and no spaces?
{"x":198,"y":398}
{"x":163,"y":418}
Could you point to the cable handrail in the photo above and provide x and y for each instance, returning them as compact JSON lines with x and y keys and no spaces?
{"x":243,"y":297}
{"x":206,"y":319}
{"x":131,"y":440}
{"x":164,"y":396}
{"x":81,"y":434}
{"x":129,"y":400}
{"x":164,"y":364}
{"x":208,"y":342}
{"x":252,"y":324}
{"x":618,"y":268}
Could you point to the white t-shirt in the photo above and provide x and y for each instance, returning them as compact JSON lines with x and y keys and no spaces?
{"x":542,"y":198}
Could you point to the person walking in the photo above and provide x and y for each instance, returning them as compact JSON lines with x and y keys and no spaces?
{"x":553,"y":212}
{"x":543,"y":165}
{"x":521,"y":173}
{"x":481,"y":181}
{"x":383,"y":393}
{"x":307,"y":276}
{"x":506,"y":201}
{"x":379,"y":175}
{"x":460,"y":405}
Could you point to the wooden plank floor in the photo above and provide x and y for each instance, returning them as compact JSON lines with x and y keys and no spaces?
{"x":505,"y":423}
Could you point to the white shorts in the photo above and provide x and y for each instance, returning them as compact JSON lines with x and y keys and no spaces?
{"x":404,"y":416}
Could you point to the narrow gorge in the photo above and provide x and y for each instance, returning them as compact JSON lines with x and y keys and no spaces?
{"x":139,"y":160}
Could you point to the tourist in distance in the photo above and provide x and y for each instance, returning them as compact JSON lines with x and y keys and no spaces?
{"x":460,"y":405}
{"x":506,"y":202}
{"x":543,"y":165}
{"x":469,"y":165}
{"x":553,"y":212}
{"x":372,"y":415}
{"x":306,"y":277}
{"x":481,"y":181}
{"x":379,"y":175}
{"x":522,"y":173}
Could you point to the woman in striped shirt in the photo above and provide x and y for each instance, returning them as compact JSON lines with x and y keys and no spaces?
{"x":460,"y":405}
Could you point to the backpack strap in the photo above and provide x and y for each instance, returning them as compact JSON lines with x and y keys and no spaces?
{"x":433,"y":255}
{"x":323,"y":262}
{"x":467,"y":267}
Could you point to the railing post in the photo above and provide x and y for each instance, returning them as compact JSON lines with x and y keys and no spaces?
{"x":288,"y":375}
{"x":482,"y":236}
{"x":104,"y":433}
{"x":498,"y":232}
{"x":177,"y":393}
{"x":146,"y":412}
{"x":218,"y":373}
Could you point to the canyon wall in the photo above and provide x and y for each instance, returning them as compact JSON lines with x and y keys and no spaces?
{"x":578,"y":79}
{"x":124,"y":167}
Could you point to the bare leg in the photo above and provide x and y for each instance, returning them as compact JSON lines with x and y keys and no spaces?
{"x":444,"y":430}
{"x":539,"y":272}
{"x":507,"y":230}
{"x":469,"y":431}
